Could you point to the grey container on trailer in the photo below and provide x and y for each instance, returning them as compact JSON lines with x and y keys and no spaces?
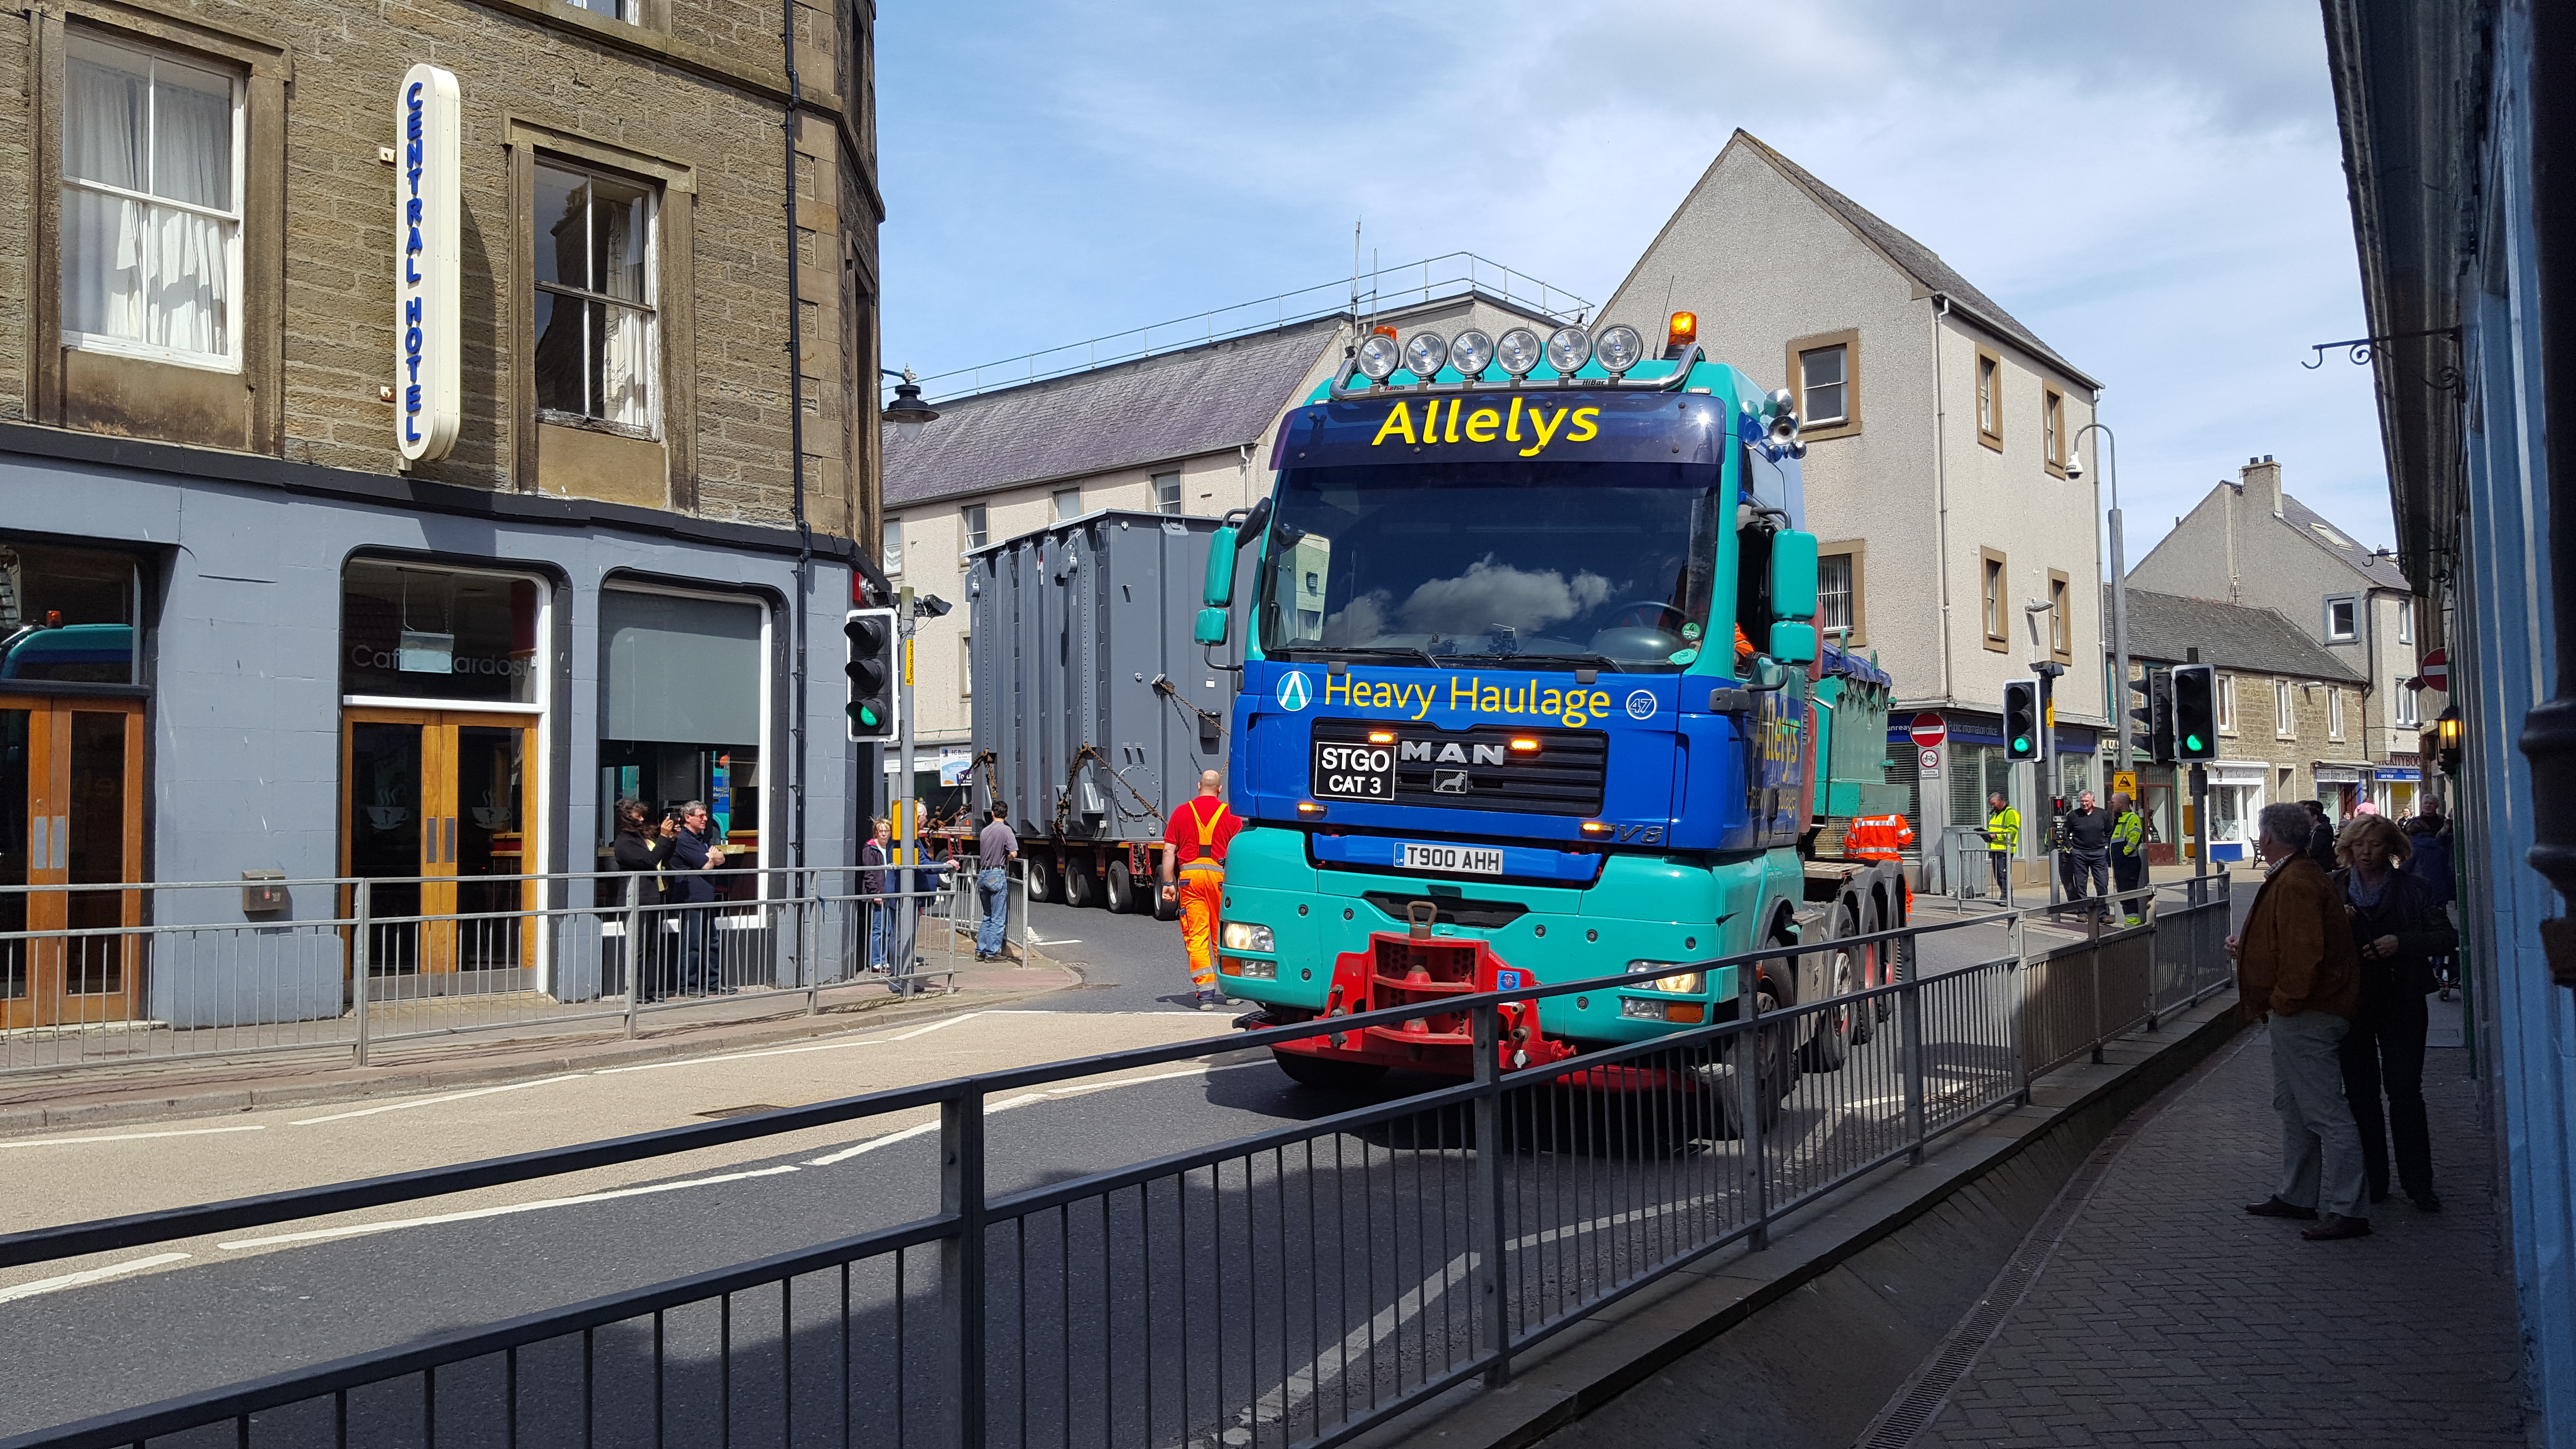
{"x":1073,"y":624}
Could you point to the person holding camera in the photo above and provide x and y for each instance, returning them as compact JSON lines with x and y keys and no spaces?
{"x":2397,"y":928}
{"x":695,"y":849}
{"x":641,"y":851}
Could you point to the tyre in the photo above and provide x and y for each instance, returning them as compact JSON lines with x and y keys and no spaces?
{"x":1882,"y":956}
{"x":1869,"y":969}
{"x":1771,"y":1067}
{"x":1327,"y":1076}
{"x":1040,"y":879}
{"x":1122,"y":888}
{"x":1830,"y":1047}
{"x":1081,"y":887}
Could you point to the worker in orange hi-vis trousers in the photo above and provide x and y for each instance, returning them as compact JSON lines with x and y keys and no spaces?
{"x":1195,"y":841}
{"x":1881,"y":837}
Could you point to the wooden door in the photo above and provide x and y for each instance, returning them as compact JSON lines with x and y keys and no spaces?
{"x":71,"y":816}
{"x":434,"y":803}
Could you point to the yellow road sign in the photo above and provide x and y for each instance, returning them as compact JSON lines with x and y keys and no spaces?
{"x":2125,"y":782}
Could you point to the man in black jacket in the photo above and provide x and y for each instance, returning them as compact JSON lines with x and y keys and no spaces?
{"x":2397,"y":928}
{"x":695,"y":850}
{"x":2085,"y":832}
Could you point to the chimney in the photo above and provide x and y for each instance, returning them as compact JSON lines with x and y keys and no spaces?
{"x":2260,"y":480}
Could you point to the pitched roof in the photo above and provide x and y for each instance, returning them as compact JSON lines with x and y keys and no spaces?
{"x":1153,"y":410}
{"x":1911,"y":257}
{"x":2165,"y":628}
{"x":2382,"y":571}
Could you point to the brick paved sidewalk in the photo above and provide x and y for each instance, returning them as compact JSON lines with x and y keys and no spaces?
{"x":2168,"y":1316}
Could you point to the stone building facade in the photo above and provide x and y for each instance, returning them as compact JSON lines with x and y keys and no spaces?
{"x":327,"y":660}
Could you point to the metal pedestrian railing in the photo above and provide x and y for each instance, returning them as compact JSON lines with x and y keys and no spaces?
{"x":352,"y":963}
{"x":1293,"y":1287}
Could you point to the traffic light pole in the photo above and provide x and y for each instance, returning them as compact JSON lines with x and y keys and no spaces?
{"x":907,"y":911}
{"x":2199,"y":789}
{"x":2045,"y":762}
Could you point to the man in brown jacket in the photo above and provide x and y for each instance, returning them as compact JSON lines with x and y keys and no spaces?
{"x":2296,"y":963}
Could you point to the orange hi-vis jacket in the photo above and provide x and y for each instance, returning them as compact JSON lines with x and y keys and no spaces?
{"x":1878,"y":837}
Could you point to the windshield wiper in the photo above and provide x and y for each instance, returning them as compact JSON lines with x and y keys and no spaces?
{"x":1374,"y":651}
{"x":1598,"y":661}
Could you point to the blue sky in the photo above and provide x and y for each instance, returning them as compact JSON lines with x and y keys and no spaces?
{"x":2156,"y":190}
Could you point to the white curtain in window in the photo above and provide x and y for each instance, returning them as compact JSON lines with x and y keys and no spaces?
{"x":157,"y":275}
{"x":626,"y":367}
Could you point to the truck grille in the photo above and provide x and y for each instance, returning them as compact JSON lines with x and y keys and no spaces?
{"x":1477,"y":769}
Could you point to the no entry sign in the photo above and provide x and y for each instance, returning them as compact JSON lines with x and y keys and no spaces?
{"x":2435,"y":671}
{"x":1929,"y":730}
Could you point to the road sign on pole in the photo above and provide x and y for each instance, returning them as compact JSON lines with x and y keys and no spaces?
{"x":1932,"y":760}
{"x":1929,"y":730}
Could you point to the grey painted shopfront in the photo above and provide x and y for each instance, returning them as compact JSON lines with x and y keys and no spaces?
{"x":322,"y":660}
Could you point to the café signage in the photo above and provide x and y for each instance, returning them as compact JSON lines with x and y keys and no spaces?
{"x":428,"y":391}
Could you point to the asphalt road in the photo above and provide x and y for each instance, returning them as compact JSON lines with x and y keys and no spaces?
{"x":1353,"y":1245}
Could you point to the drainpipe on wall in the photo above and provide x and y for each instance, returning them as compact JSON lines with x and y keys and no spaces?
{"x":1941,"y":487}
{"x":796,"y":456}
{"x":2549,"y":731}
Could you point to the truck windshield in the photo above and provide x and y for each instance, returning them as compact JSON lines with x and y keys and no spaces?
{"x":1604,"y":564}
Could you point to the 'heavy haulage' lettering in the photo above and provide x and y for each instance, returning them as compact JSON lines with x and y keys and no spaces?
{"x":1576,"y":707}
{"x":1535,"y":422}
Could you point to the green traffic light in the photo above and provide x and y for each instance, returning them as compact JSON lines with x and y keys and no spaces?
{"x":2021,"y":744}
{"x":2191,"y":742}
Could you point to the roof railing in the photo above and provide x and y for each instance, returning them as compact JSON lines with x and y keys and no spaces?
{"x":1411,"y":284}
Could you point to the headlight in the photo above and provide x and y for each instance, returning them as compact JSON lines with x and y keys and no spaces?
{"x":1470,"y":353}
{"x":1619,"y":349}
{"x":1568,"y":348}
{"x":1425,"y":353}
{"x":1251,"y":970}
{"x":1519,"y":351}
{"x":1682,"y":983}
{"x":1241,"y":937}
{"x":1379,"y":355}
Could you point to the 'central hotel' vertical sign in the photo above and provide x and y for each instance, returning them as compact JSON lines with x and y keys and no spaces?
{"x":427,"y":390}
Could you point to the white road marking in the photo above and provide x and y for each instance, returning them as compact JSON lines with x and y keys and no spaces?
{"x":829,"y":1046}
{"x":86,"y":1275}
{"x":134,"y":1136}
{"x":873,"y":1143}
{"x":434,"y":1101}
{"x":361,"y":1229}
{"x":1008,"y":1103}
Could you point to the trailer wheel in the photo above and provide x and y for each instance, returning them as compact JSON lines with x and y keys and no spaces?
{"x":1122,"y":888}
{"x":1883,"y":955}
{"x":1081,"y":887}
{"x":1872,"y":971}
{"x":1327,"y":1076}
{"x":1039,"y":886}
{"x":1771,"y":1065}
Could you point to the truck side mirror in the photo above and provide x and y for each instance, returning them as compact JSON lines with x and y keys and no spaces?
{"x":1253,"y":522}
{"x":1793,"y":580}
{"x":1793,"y":643}
{"x":1212,"y":624}
{"x":1219,"y":591}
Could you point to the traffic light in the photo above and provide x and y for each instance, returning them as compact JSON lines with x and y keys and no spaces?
{"x":2021,"y":719}
{"x":873,"y":708}
{"x":2195,"y":712}
{"x":2156,"y":713}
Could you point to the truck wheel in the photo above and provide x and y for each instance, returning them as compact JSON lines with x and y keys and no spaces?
{"x":1770,"y":1063}
{"x":1883,"y":955}
{"x":1081,"y":887}
{"x":1868,"y":969}
{"x":1830,"y":1047}
{"x":1327,"y":1076}
{"x":1039,"y":879}
{"x":1122,"y":888}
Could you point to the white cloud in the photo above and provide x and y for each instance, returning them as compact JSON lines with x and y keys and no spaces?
{"x":2157,"y":191}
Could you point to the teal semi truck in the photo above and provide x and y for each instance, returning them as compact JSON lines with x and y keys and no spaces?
{"x":1532,"y":691}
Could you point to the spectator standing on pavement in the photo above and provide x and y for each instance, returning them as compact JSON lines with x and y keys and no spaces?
{"x":2086,"y":831}
{"x":1196,"y":838}
{"x":995,"y":848}
{"x":2398,"y":928}
{"x":872,"y":884}
{"x":2129,"y":856}
{"x":2003,"y":837}
{"x":2321,"y":836}
{"x":695,"y":850}
{"x":641,"y":852}
{"x":2295,"y":963}
{"x":2428,"y":840}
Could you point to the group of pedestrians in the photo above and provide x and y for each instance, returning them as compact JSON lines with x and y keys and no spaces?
{"x":2338,"y":952}
{"x":2100,"y":852}
{"x":676,"y":855}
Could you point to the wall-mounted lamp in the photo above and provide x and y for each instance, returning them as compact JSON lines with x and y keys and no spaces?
{"x":2446,"y":730}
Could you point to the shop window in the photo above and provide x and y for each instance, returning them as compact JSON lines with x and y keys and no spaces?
{"x":594,"y":297}
{"x":408,"y":631}
{"x":152,"y":204}
{"x":682,"y":710}
{"x":67,"y":615}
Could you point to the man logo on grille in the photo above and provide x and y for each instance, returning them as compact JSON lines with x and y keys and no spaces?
{"x":1293,"y":694}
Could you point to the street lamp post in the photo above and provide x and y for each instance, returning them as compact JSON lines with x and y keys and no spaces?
{"x":907,"y":412}
{"x":2119,"y":584}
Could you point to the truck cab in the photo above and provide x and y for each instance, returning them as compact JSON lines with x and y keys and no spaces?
{"x":1525,"y":678}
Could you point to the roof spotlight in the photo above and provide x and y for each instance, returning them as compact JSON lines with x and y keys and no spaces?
{"x":1519,"y":351}
{"x":1619,"y":349}
{"x":1568,"y":348}
{"x":1425,"y":353}
{"x":1470,"y":353}
{"x":1378,"y":355}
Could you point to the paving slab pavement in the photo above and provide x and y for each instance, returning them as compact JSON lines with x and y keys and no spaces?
{"x":2165,"y":1314}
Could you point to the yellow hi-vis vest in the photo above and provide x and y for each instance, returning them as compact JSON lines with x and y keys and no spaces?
{"x":2003,"y":829}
